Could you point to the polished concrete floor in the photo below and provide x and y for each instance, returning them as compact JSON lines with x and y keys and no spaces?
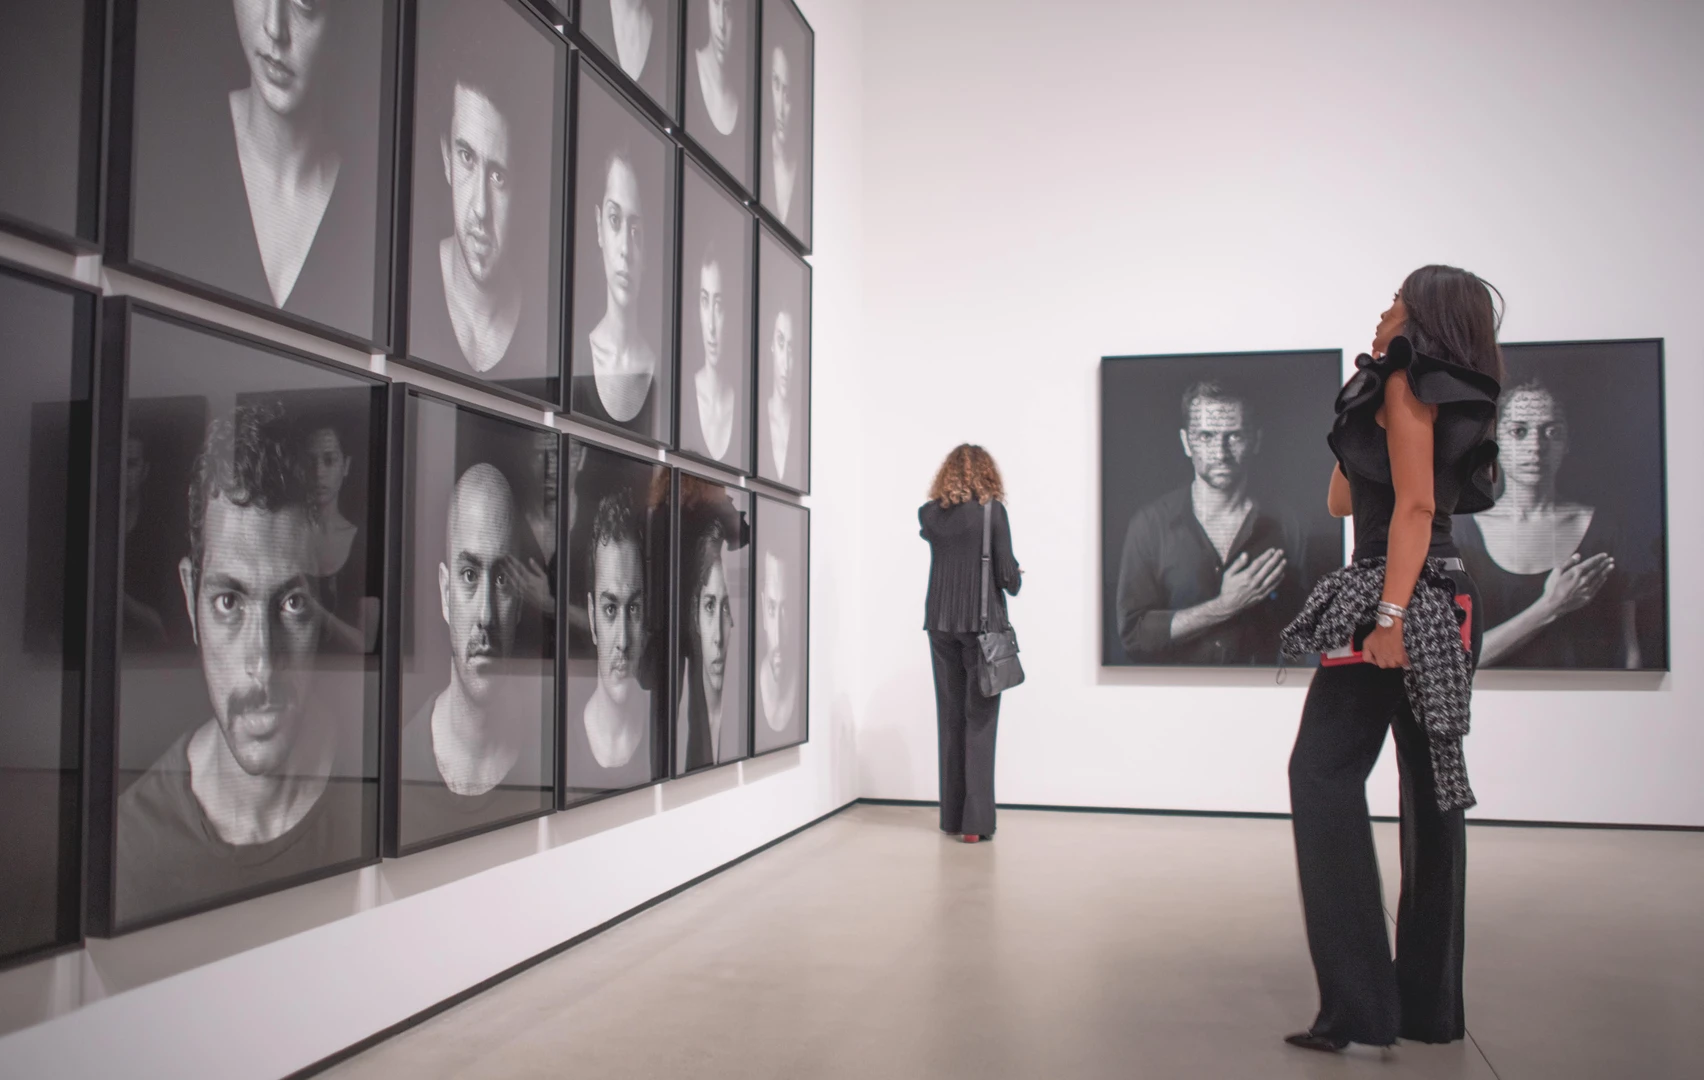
{"x":1086,"y":945}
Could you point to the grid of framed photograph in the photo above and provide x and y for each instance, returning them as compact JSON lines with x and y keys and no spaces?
{"x":334,"y":615}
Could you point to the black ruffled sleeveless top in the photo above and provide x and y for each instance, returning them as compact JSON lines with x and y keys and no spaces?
{"x":1464,"y":452}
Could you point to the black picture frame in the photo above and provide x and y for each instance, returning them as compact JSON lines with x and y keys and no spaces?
{"x":784,"y":279}
{"x":695,"y":508}
{"x":659,"y":80}
{"x":650,"y":513}
{"x":733,"y":154}
{"x":491,"y":810}
{"x":145,"y":166}
{"x":602,"y":106}
{"x":782,"y":18}
{"x":310,"y":384}
{"x":741,"y":313}
{"x":50,"y":190}
{"x":1289,"y":395}
{"x":769,"y":515}
{"x":425,"y":326}
{"x":1607,"y":465}
{"x":44,"y":765}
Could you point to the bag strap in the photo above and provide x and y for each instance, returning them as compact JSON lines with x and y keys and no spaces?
{"x":987,"y":546}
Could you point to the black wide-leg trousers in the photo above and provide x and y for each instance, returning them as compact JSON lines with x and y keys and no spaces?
{"x":967,"y":722}
{"x":1366,"y":997}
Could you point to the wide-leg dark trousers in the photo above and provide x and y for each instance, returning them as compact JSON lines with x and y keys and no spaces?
{"x":967,"y":723}
{"x":1365,"y":997}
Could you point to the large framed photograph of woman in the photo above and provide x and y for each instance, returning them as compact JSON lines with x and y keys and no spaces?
{"x":717,"y":275}
{"x":625,"y":205}
{"x":713,"y":648}
{"x":787,"y":148}
{"x":721,"y":39}
{"x":49,"y":328}
{"x":251,"y":156}
{"x":244,"y":734}
{"x":486,"y":234}
{"x":642,"y":38}
{"x":781,"y":686}
{"x":52,"y":79}
{"x":1572,"y":561}
{"x":1213,"y":519}
{"x":472,"y":742}
{"x":620,"y":561}
{"x":783,"y":365}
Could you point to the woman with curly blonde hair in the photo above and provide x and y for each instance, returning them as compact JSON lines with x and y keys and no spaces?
{"x":966,"y":487}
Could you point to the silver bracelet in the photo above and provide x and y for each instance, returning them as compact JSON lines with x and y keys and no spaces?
{"x":1388,"y":613}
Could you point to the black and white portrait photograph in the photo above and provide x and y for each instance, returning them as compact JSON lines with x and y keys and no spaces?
{"x":44,"y":475}
{"x":783,"y":366}
{"x":260,"y":155}
{"x":247,"y":728}
{"x":716,"y":279}
{"x":623,"y":367}
{"x":721,"y":36}
{"x":477,"y":680}
{"x":713,"y":655}
{"x":786,"y":91}
{"x":1572,"y":561}
{"x":616,"y":730}
{"x":642,"y":37}
{"x":486,"y":233}
{"x":50,"y":115}
{"x":781,"y":697}
{"x":1213,"y":518}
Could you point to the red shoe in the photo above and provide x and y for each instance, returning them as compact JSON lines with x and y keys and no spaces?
{"x":971,"y":838}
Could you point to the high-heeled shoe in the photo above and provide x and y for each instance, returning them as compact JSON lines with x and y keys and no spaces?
{"x":971,"y":838}
{"x":1307,"y":1040}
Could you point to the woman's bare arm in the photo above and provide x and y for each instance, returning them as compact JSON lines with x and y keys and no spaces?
{"x":1337,"y":498}
{"x":1408,"y":431}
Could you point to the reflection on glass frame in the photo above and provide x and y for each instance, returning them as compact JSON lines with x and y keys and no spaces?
{"x":717,"y":275}
{"x":49,"y":330}
{"x":642,"y":38}
{"x":787,"y":90}
{"x":486,"y":237}
{"x":620,"y":555}
{"x":1213,"y":529}
{"x":721,"y":38}
{"x":782,"y":569}
{"x":251,"y":163}
{"x":1572,"y":562}
{"x":783,"y":419}
{"x":471,"y":720}
{"x":712,"y":667}
{"x":624,"y":229}
{"x":244,"y":738}
{"x":51,"y":79}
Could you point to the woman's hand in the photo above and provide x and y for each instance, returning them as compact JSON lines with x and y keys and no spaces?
{"x":1384,"y":648}
{"x":1575,"y":583}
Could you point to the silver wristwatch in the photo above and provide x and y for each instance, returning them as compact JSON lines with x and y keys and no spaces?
{"x":1388,"y":613}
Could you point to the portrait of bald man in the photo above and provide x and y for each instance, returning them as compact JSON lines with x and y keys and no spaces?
{"x":476,"y":751}
{"x":785,"y":91}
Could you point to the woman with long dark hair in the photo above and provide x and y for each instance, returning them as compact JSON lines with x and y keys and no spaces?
{"x":1413,"y":441}
{"x":966,"y":487}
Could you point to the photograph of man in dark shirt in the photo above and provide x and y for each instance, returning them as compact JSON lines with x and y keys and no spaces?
{"x":1205,"y":574}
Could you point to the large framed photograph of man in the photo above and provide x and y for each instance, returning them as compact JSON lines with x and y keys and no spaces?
{"x":52,"y":78}
{"x":783,"y":365}
{"x":251,"y":156}
{"x":721,"y":41}
{"x":787,"y":90}
{"x":243,"y":746}
{"x":45,"y":434}
{"x":624,"y":229}
{"x":642,"y":39}
{"x":717,"y":279}
{"x":474,"y":741}
{"x":620,"y":557}
{"x":486,"y":234}
{"x":782,"y":562}
{"x":714,"y":626}
{"x":1572,"y":561}
{"x":1213,"y":519}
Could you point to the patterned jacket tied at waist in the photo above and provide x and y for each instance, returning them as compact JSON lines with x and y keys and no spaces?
{"x":1439,"y":680}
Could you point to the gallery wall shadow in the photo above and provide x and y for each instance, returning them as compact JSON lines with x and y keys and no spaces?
{"x":686,"y":790}
{"x":756,"y":770}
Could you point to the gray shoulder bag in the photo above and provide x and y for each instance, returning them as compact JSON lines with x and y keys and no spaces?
{"x":997,"y":667}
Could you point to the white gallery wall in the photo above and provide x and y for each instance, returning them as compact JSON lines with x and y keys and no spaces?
{"x":1050,"y":183}
{"x":264,"y":988}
